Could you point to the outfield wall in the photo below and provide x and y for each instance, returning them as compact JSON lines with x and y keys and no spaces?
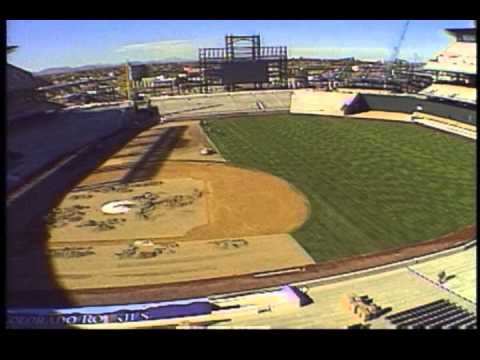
{"x":407,"y":104}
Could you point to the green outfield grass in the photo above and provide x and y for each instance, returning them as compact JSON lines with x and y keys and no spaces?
{"x":371,"y":185}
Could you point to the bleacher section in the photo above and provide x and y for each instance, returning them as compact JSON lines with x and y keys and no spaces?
{"x":395,"y":290}
{"x":451,"y":92}
{"x":458,"y":57}
{"x":440,"y":314}
{"x":319,"y":102}
{"x":44,"y":139}
{"x":224,"y":103}
{"x":22,"y":98}
{"x":19,"y":79}
{"x":21,"y":107}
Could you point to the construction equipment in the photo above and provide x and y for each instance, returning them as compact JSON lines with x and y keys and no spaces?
{"x":396,"y":49}
{"x":360,"y":306}
{"x":389,"y":67}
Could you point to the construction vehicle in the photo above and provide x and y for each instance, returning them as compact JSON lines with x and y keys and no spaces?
{"x":360,"y":306}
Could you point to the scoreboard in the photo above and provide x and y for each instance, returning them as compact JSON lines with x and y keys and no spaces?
{"x":137,"y":72}
{"x":239,"y":72}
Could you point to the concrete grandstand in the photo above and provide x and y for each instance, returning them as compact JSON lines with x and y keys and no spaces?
{"x":23,"y":99}
{"x":460,"y":57}
{"x":223,"y":103}
{"x":397,"y":289}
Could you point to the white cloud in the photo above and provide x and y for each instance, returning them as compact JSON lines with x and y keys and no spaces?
{"x":371,"y":53}
{"x":165,"y":45}
{"x":340,"y":52}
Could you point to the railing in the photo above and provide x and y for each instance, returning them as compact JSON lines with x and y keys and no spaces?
{"x":437,"y":284}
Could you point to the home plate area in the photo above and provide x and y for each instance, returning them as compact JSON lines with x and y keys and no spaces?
{"x":153,"y":209}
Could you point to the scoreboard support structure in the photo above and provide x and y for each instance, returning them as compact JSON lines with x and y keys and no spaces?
{"x":243,"y":61}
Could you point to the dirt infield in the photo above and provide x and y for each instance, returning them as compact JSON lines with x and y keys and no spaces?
{"x":383,"y":115}
{"x":196,"y":210}
{"x":237,"y":199}
{"x":178,"y":261}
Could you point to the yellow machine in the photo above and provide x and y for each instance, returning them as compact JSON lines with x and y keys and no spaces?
{"x":360,"y":307}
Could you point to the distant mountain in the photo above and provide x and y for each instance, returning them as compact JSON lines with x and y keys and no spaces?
{"x":69,"y":69}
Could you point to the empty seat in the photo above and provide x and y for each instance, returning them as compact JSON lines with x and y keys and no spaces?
{"x":472,"y":322}
{"x":449,"y":320}
{"x":415,"y":312}
{"x":460,"y":322}
{"x":472,"y":326}
{"x":417,"y":319}
{"x":436,"y":318}
{"x":396,"y":315}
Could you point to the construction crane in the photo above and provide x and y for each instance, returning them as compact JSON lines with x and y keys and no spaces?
{"x":396,"y":49}
{"x":389,"y":67}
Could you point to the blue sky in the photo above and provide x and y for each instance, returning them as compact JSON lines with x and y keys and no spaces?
{"x":55,"y":43}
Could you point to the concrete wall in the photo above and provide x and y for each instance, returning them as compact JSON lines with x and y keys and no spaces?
{"x":407,"y":104}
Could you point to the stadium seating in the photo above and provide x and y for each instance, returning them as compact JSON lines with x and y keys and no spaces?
{"x":459,"y":56}
{"x":223,"y":103}
{"x":21,"y":107}
{"x":440,"y":314}
{"x":452,"y":92}
{"x":62,"y":133}
{"x":23,"y":100}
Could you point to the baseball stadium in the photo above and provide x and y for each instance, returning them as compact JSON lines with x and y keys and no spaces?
{"x":248,"y":206}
